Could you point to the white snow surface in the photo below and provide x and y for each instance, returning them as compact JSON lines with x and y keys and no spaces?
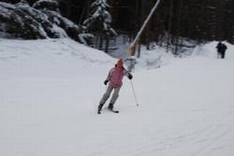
{"x":50,"y":90}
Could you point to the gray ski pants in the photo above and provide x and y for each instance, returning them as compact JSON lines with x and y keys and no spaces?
{"x":107,"y":95}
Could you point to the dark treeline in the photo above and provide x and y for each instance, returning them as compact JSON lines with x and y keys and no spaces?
{"x":195,"y":19}
{"x":201,"y":20}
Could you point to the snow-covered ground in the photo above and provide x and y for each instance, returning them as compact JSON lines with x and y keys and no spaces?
{"x":50,"y":90}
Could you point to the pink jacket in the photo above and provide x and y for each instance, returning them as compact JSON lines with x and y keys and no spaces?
{"x":116,"y":75}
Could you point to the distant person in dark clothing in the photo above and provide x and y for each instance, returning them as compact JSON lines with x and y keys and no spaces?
{"x":221,"y":49}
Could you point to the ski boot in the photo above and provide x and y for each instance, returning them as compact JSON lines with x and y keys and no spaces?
{"x":111,"y":106}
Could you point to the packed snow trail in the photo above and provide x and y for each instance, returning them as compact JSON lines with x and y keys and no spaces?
{"x":50,"y":93}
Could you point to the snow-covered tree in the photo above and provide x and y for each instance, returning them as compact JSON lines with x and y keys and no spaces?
{"x":99,"y":22}
{"x":51,"y":10}
{"x":15,"y":22}
{"x":42,"y":20}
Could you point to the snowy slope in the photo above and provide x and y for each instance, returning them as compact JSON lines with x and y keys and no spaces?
{"x":50,"y":90}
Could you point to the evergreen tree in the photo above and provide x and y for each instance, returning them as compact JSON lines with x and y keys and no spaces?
{"x":99,"y":23}
{"x":42,"y":20}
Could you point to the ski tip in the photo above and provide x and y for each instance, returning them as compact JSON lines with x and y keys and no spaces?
{"x":114,"y":111}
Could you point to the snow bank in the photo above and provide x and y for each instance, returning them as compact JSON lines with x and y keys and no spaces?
{"x":209,"y":50}
{"x":39,"y":55}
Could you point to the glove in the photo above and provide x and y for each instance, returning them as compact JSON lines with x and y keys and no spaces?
{"x":130,"y":76}
{"x":105,"y":82}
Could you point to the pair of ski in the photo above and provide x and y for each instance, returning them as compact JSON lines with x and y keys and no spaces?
{"x":113,"y":111}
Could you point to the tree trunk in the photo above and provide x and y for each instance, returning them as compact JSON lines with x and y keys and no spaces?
{"x":169,"y":38}
{"x":107,"y":42}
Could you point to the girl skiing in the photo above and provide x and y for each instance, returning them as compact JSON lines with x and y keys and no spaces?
{"x":115,"y":77}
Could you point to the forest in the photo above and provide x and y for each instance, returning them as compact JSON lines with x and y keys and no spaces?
{"x":172,"y":22}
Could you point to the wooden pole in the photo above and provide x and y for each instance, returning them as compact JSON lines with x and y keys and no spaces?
{"x":131,"y":47}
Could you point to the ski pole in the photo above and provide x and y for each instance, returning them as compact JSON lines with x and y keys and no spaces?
{"x":134,"y":93}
